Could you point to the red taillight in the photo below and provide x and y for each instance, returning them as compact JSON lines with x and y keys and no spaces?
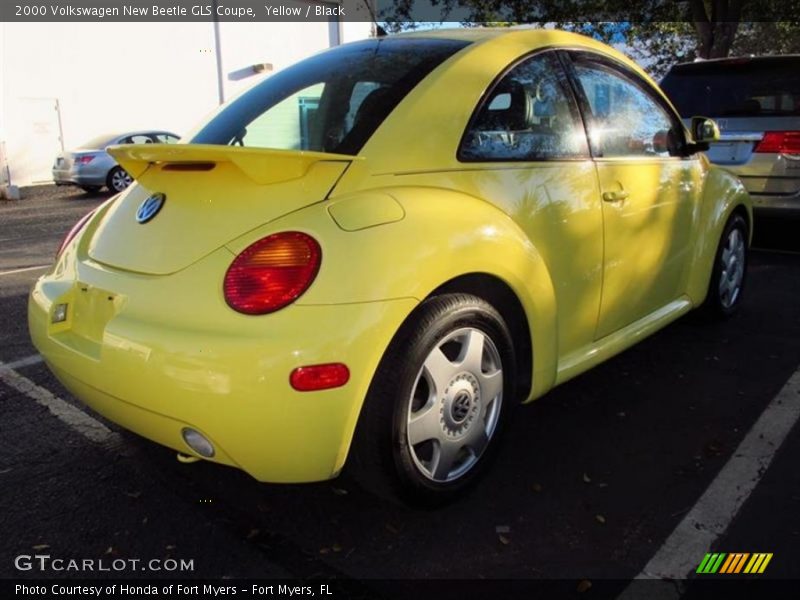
{"x":780,"y":142}
{"x":84,"y":160}
{"x":74,"y":231}
{"x":319,"y":377}
{"x":272,"y":273}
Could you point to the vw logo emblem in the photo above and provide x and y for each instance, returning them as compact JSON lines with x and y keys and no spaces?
{"x":461,"y":405}
{"x":149,"y":208}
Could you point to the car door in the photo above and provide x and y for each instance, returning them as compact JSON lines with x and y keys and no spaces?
{"x":525,"y":148}
{"x":650,"y":190}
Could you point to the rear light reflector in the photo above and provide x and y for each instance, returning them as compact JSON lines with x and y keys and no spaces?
{"x":319,"y":377}
{"x":272,"y":273}
{"x":74,"y":231}
{"x":84,"y":160}
{"x":779,"y":142}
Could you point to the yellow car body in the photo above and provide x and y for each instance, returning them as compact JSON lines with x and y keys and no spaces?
{"x":149,"y":342}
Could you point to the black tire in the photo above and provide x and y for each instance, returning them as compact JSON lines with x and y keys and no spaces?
{"x":730,"y":266}
{"x":425,"y":353}
{"x":91,"y":189}
{"x":118,"y":179}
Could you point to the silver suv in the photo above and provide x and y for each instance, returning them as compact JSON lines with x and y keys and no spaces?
{"x":756,"y":103}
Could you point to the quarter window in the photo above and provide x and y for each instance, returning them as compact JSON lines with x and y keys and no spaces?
{"x":625,"y":120}
{"x":529,"y":115}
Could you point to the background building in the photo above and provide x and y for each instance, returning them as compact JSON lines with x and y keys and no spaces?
{"x":64,"y":83}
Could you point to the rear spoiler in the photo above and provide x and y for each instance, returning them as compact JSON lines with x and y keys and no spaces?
{"x":261,"y":165}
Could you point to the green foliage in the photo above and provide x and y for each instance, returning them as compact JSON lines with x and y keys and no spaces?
{"x":657,"y":33}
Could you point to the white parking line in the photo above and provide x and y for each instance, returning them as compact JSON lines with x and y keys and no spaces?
{"x":712,"y":514}
{"x":88,"y":427}
{"x":22,"y":362}
{"x":23,"y":270}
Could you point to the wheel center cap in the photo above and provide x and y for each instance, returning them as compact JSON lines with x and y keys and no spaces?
{"x":461,"y":405}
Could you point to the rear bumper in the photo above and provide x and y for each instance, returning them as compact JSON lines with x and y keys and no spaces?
{"x":73,"y":177}
{"x":772,"y":180}
{"x":231,"y":383}
{"x":776,"y":203}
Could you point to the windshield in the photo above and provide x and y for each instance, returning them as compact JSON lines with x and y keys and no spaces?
{"x":746,"y":88}
{"x":331,"y":102}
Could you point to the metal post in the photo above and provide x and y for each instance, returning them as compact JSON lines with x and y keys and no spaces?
{"x":218,"y":51}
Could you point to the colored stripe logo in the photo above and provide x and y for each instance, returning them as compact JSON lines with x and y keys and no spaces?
{"x":734,"y":562}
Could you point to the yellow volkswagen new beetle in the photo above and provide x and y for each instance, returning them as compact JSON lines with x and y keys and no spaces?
{"x":371,"y":256}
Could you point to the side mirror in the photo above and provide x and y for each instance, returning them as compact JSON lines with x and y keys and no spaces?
{"x":704,"y":131}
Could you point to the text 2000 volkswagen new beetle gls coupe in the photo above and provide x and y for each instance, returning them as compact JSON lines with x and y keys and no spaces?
{"x":371,"y":256}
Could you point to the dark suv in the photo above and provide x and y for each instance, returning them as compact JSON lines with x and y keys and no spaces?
{"x":756,"y":103}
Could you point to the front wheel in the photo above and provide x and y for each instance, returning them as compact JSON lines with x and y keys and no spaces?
{"x":730,"y":269}
{"x":438,"y":403}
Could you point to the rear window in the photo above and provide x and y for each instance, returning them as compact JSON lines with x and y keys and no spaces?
{"x":746,"y":88}
{"x":331,"y":102}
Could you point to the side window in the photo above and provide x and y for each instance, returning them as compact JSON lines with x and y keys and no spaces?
{"x":529,"y":115}
{"x":139,"y":139}
{"x":165,"y":138}
{"x":625,"y":120}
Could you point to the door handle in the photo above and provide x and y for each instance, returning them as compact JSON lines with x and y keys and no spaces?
{"x":615,"y":196}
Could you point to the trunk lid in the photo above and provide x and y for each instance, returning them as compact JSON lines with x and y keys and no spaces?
{"x":212,"y":194}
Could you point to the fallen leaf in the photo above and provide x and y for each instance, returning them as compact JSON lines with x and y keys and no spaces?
{"x":504,"y":540}
{"x":135,"y":494}
{"x":41,"y":546}
{"x":586,"y":478}
{"x":171,"y":547}
{"x":600,"y":519}
{"x":583,"y":586}
{"x":336,"y":548}
{"x":109,"y":550}
{"x":253,"y":533}
{"x":324,"y":550}
{"x":144,"y":521}
{"x":339,"y":491}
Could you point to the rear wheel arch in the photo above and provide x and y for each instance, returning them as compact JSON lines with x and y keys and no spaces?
{"x":505,"y":300}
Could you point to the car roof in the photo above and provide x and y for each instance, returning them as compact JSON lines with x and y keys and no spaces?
{"x":476,"y":34}
{"x":143,"y":132}
{"x":529,"y":36}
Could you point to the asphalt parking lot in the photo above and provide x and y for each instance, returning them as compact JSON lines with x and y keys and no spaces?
{"x":592,"y":479}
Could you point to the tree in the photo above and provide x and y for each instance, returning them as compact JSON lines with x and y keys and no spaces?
{"x":657,"y":32}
